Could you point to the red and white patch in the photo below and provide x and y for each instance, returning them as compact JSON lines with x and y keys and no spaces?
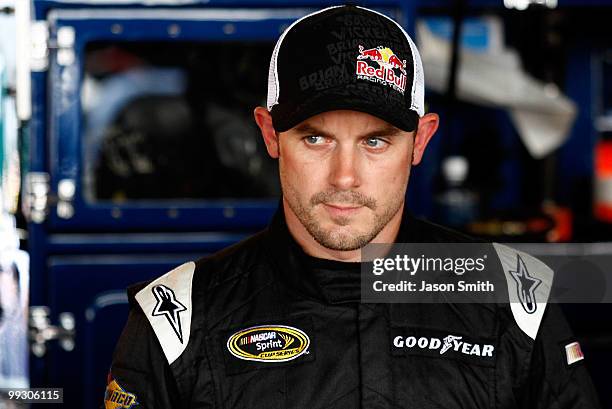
{"x":573,"y":353}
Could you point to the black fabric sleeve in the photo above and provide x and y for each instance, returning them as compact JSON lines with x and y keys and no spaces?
{"x":140,"y":368}
{"x":552,"y":382}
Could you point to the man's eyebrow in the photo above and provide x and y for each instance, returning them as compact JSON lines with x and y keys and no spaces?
{"x":388,"y":130}
{"x":308,"y":129}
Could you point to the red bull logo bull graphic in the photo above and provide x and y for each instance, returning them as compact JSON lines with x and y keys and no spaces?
{"x":390,"y":71}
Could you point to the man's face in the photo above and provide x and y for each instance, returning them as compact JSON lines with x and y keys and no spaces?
{"x":344,"y":175}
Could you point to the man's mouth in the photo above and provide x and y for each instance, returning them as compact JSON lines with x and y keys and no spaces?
{"x":341,"y":209}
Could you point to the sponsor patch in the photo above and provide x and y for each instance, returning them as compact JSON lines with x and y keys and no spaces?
{"x":525,"y":286}
{"x":573,"y":353}
{"x":439,"y":344}
{"x":268,"y":343}
{"x":385,"y":68}
{"x":116,"y":397}
{"x":169,"y":307}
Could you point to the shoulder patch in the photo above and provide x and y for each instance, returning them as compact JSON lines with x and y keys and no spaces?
{"x":573,"y":353}
{"x":529,"y":282}
{"x":116,"y":397}
{"x":167,"y":304}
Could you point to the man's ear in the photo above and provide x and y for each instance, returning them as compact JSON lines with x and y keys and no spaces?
{"x":264,"y":121}
{"x":428,"y":124}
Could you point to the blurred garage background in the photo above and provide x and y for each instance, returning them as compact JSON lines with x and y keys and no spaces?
{"x":127,"y":146}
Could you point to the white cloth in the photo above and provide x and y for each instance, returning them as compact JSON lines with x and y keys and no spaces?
{"x":542,"y":115}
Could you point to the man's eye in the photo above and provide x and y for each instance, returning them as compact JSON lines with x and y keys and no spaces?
{"x":314,"y":139}
{"x":375,"y":142}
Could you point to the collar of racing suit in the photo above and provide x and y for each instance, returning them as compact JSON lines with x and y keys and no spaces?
{"x":330,"y":281}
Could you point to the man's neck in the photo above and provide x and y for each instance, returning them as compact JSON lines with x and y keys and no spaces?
{"x":311,"y":247}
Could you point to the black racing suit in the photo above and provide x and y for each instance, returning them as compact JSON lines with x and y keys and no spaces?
{"x":193,"y":337}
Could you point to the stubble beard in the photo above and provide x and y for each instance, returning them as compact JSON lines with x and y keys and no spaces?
{"x":335,"y":240}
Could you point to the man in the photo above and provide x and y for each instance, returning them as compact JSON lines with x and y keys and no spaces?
{"x":276,"y":320}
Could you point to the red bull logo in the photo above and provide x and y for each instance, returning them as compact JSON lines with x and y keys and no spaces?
{"x":391,"y":70}
{"x":373,"y":54}
{"x":396,"y":63}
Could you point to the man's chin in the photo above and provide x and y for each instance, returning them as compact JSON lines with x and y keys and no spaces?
{"x":341,"y":238}
{"x":342,"y":226}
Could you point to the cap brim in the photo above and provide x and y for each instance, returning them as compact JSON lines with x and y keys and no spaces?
{"x":349,"y":98}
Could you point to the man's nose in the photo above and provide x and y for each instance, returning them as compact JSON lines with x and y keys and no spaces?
{"x":344,"y":174}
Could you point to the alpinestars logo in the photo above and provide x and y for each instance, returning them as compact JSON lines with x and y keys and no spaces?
{"x":391,"y":70}
{"x":168,"y":306}
{"x":525,"y":286}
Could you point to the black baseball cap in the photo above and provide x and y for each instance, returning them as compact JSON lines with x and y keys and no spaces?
{"x":345,"y":57}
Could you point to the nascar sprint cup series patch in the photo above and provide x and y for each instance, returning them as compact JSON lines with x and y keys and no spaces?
{"x":268,"y":343}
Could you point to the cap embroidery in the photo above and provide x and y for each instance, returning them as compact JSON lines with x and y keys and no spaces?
{"x":390,"y":69}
